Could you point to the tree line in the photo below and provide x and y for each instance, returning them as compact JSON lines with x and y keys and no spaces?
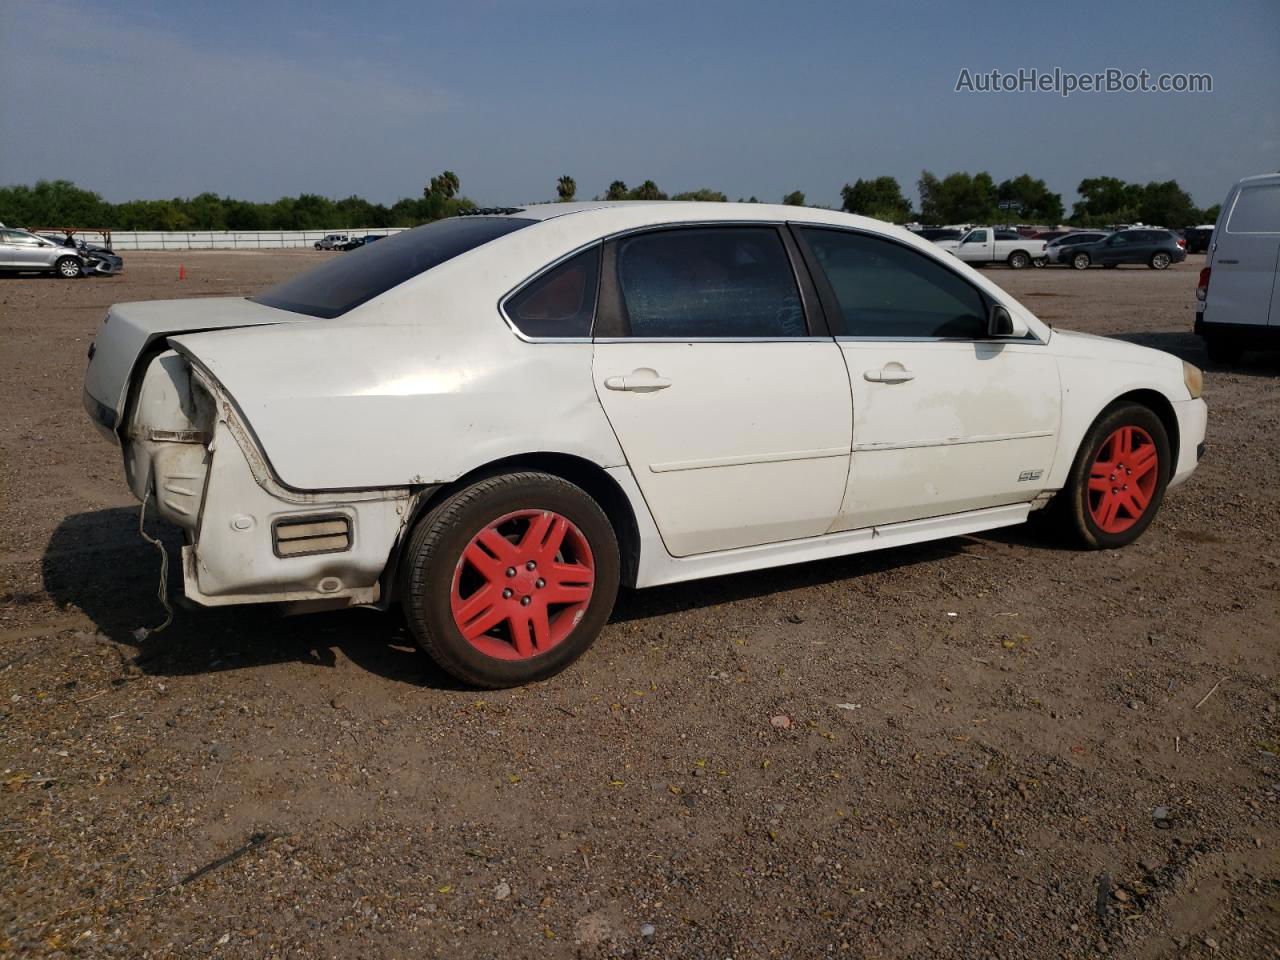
{"x":956,"y":198}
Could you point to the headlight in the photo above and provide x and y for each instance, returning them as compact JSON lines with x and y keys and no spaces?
{"x":1193,"y":377}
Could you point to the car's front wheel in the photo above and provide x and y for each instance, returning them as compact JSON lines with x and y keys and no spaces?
{"x":510,"y":579}
{"x":1040,"y":262}
{"x":1080,"y":261}
{"x":68,"y":268}
{"x":1018,"y":260}
{"x":1119,"y":477}
{"x":1159,"y":261}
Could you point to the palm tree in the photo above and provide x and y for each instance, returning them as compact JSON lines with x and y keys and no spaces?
{"x":566,"y":187}
{"x":617,"y":191}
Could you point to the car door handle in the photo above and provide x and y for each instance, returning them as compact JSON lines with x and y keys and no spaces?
{"x":889,"y":375}
{"x":638,"y":382}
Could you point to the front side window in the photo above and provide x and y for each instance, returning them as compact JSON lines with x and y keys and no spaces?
{"x":976,"y":236}
{"x":884,"y":289}
{"x":364,"y":273}
{"x":1256,"y":210}
{"x":23,"y":239}
{"x":561,"y":302}
{"x":709,"y":282}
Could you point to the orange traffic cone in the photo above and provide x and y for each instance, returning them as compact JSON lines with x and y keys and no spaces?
{"x":182,"y":272}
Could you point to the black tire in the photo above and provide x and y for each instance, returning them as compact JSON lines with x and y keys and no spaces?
{"x":1018,"y":260}
{"x":1080,"y":261}
{"x":1223,"y":349}
{"x":1159,"y":260}
{"x":434,"y":553}
{"x":1039,"y":262}
{"x":1075,"y":510}
{"x":68,"y":268}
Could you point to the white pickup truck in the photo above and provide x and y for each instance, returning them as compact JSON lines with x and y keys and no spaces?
{"x":987,"y":245}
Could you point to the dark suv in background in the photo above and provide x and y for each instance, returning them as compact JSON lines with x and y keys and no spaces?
{"x":1154,"y":248}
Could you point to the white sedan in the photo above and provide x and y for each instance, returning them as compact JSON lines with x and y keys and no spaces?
{"x":496,"y":420}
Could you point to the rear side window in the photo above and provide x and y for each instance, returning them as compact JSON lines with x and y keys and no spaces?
{"x":714,"y":282}
{"x":885,"y":289}
{"x":1256,"y":210}
{"x":1008,"y":235}
{"x":362,"y":274}
{"x":561,"y":302}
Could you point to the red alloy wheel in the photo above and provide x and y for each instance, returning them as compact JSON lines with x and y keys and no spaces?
{"x":522,"y":584}
{"x":1123,"y":478}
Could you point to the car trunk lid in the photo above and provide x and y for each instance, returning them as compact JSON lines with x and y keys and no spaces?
{"x":132,"y":330}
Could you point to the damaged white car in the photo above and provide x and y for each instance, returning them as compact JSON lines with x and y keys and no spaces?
{"x":496,"y":420}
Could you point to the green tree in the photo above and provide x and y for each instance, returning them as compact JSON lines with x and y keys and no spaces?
{"x":617,"y":191}
{"x":1036,"y":202}
{"x":702,"y":193}
{"x":880,"y":198}
{"x":1105,"y":200}
{"x":957,"y":198}
{"x":794,"y":199}
{"x":1210,"y":214}
{"x":566,"y":187}
{"x":1166,"y":204}
{"x":647,"y":191}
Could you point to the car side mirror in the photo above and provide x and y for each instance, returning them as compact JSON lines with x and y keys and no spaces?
{"x":1001,"y":323}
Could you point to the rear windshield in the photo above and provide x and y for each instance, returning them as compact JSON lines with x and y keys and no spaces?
{"x":352,"y":278}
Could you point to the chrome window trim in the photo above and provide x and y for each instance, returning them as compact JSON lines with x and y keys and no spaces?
{"x":617,"y":234}
{"x":1031,"y":340}
{"x":712,"y":340}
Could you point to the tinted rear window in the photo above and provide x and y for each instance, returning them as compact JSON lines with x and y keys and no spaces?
{"x":353,"y":278}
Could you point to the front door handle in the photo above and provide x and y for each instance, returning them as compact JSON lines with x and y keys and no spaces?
{"x":638,"y":381}
{"x":889,"y":374}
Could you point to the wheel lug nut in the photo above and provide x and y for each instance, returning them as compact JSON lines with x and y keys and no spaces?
{"x":524,"y":601}
{"x":506,"y":594}
{"x":540,"y":583}
{"x":511,"y":571}
{"x":531,"y":565}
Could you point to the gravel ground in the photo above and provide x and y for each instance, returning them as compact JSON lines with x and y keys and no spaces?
{"x":989,"y":746}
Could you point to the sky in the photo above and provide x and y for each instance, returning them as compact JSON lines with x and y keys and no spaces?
{"x":262,"y":99}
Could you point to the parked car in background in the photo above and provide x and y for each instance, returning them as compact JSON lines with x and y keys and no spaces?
{"x":1054,"y":248}
{"x":24,"y":252}
{"x":1240,"y":308}
{"x":1198,"y":238}
{"x":989,"y":245}
{"x":1048,"y":236}
{"x":556,"y":423}
{"x":1154,"y":248}
{"x":332,"y":241}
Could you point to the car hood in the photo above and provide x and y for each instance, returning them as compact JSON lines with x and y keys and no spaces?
{"x":1088,"y":346}
{"x":131,"y":328}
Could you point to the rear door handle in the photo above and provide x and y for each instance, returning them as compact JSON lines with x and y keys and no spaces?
{"x":641,"y":381}
{"x":889,"y":375}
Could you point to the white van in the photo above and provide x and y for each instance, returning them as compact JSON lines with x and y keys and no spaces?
{"x":1241,"y":307}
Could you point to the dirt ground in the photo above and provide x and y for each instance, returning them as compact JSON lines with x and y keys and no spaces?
{"x":997,"y":746}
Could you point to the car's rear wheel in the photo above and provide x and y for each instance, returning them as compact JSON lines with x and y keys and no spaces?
{"x":1080,"y":261}
{"x":510,"y":579}
{"x":1119,"y":477}
{"x":68,"y":268}
{"x":1018,"y":260}
{"x":1159,"y":260}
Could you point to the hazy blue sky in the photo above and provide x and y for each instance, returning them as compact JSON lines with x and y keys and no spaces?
{"x":259,"y":99}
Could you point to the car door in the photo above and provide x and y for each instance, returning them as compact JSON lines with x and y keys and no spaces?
{"x":8,"y":251}
{"x":1245,"y":256}
{"x":976,"y":247}
{"x":25,"y":251}
{"x":728,"y":398}
{"x":945,"y":418}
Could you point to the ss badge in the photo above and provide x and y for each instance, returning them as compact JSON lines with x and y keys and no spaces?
{"x":1030,"y":475}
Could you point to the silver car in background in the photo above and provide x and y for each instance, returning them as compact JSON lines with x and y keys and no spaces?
{"x":24,"y":252}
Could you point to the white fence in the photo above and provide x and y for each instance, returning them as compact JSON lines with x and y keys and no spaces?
{"x":122,"y":240}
